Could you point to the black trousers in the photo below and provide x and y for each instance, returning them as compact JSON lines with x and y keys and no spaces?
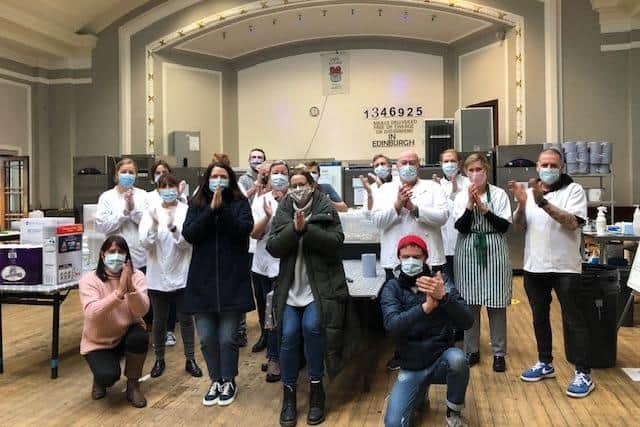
{"x":538,"y":287}
{"x":105,"y":363}
{"x":262,"y":285}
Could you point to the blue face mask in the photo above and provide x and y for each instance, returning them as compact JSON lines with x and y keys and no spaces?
{"x":168,"y":195}
{"x":411,"y":266}
{"x":408,"y":173}
{"x":450,"y":168}
{"x":214,"y":183}
{"x":126,"y":179}
{"x":549,"y":175}
{"x":381,"y":171}
{"x":279,"y":181}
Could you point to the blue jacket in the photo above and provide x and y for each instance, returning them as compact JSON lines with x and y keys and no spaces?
{"x":218,"y":277}
{"x":421,"y":338}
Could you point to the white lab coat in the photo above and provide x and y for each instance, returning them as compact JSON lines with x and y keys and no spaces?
{"x":263,"y":262}
{"x":449,"y":232}
{"x":433,"y":213}
{"x":111,"y":220}
{"x":168,"y":254}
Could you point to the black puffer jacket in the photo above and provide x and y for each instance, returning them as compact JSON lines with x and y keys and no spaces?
{"x":322,"y":247}
{"x":421,"y":338}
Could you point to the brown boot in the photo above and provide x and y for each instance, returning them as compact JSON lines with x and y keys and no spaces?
{"x":133,"y":372}
{"x":97,"y":391}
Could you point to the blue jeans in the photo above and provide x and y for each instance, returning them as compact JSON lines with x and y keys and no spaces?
{"x":305,"y":321}
{"x":451,"y":369}
{"x":218,"y":341}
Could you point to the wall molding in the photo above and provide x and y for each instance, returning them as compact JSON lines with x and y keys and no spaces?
{"x":44,"y":80}
{"x":553,"y":70}
{"x":619,"y":46}
{"x":165,"y":67}
{"x":29,"y":129}
{"x":125,"y":32}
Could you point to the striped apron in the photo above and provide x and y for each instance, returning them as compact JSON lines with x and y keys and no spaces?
{"x":482,"y":268}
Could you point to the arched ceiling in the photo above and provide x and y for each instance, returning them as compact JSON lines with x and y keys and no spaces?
{"x":256,"y":33}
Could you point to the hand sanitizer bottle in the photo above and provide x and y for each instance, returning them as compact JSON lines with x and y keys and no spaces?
{"x":636,"y":221}
{"x":601,"y":221}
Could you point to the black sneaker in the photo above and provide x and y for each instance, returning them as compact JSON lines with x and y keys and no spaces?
{"x":394,"y":363}
{"x":499,"y":364}
{"x":242,"y":339}
{"x":228,"y":393}
{"x":213,"y":394}
{"x":473,"y":358}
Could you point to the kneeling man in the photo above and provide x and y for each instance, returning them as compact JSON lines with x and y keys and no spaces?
{"x":420,"y":311}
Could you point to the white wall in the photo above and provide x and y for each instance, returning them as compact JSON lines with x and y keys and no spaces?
{"x":15,"y":117}
{"x":483,"y":76}
{"x":192,"y":101}
{"x":274,"y":99}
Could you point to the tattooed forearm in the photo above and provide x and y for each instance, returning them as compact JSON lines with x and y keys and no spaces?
{"x":519,"y":219}
{"x":564,"y":218}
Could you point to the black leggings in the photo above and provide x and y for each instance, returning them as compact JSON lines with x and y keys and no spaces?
{"x":105,"y":363}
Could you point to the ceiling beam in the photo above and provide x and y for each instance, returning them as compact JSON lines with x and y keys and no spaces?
{"x":47,"y":28}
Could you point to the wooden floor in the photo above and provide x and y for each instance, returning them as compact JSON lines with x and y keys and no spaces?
{"x":29,"y":397}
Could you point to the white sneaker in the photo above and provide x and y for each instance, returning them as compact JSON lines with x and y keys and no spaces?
{"x":170,"y":341}
{"x":213,"y":394}
{"x":454,"y":419}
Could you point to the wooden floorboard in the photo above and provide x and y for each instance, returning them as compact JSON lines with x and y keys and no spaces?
{"x":29,"y":397}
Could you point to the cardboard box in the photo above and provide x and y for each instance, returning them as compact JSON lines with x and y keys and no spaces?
{"x":21,"y":264}
{"x":31,"y":229}
{"x":62,"y":254}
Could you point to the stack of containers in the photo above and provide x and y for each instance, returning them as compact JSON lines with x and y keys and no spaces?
{"x":582,"y":158}
{"x":600,"y":157}
{"x":570,"y":157}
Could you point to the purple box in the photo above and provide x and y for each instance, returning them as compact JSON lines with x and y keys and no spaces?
{"x":20,"y":264}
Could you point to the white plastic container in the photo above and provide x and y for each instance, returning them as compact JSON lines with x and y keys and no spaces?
{"x":601,"y":221}
{"x":636,"y":221}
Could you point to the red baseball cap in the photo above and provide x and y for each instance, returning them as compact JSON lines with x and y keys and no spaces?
{"x":412,"y":239}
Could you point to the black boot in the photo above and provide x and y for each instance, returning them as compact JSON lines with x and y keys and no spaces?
{"x":261,"y":344}
{"x":289,"y":413}
{"x":316,"y":403}
{"x":158,"y":368}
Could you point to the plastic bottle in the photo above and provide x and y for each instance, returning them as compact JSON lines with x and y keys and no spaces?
{"x":636,"y":221}
{"x":86,"y":254}
{"x":601,"y":221}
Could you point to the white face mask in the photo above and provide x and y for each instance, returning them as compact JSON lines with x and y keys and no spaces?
{"x":114,"y":262}
{"x":315,"y":176}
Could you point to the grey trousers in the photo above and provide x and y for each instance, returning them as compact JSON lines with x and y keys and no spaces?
{"x":160,"y":303}
{"x":497,"y":328}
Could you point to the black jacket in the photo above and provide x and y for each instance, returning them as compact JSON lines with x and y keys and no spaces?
{"x":421,"y":338}
{"x":322,"y":247}
{"x":219,"y":271}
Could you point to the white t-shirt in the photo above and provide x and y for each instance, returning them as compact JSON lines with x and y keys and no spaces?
{"x":499,"y":204}
{"x":549,"y":247}
{"x":168,"y":254}
{"x":111,"y":220}
{"x":433,"y":213}
{"x":263,"y":262}
{"x":449,"y":232}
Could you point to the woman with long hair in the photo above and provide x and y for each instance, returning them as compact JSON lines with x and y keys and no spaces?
{"x":218,"y":225}
{"x":114,"y":299}
{"x":311,"y":297}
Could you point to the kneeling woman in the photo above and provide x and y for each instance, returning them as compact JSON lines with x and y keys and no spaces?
{"x":311,"y":297}
{"x":114,"y":299}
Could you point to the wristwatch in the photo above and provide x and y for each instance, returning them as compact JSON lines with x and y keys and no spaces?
{"x":542,"y":203}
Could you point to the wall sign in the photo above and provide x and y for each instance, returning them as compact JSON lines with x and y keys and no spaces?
{"x":402,"y":133}
{"x":383,"y":111}
{"x":335,"y":73}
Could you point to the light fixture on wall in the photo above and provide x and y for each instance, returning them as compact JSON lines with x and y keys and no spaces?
{"x":379,"y":12}
{"x":405,"y":16}
{"x":324,"y":12}
{"x":251,"y":28}
{"x":353,"y":12}
{"x":433,"y":18}
{"x":275,"y":21}
{"x":224,"y":35}
{"x":300,"y":17}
